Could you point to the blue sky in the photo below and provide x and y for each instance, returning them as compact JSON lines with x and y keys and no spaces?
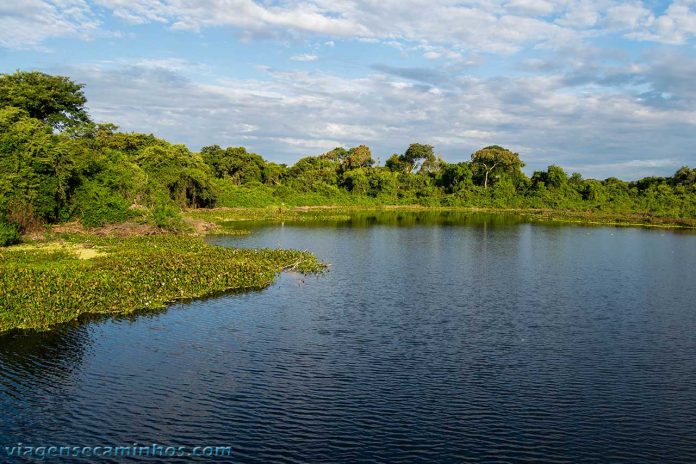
{"x":602,"y":87}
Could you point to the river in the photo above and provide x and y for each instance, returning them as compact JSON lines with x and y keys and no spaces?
{"x":433,"y":338}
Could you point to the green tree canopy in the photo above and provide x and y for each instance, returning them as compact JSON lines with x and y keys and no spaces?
{"x":183,"y":176}
{"x":685,"y":176}
{"x":417,"y":154}
{"x":234,"y":162}
{"x":495,"y":158}
{"x":358,"y":157}
{"x":455,"y":177}
{"x":37,"y":169}
{"x":554,"y":177}
{"x":396,"y":163}
{"x":55,"y":100}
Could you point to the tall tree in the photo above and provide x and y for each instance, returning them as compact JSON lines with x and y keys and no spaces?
{"x":417,"y":154}
{"x":55,"y":100}
{"x":488,"y":159}
{"x":358,"y":157}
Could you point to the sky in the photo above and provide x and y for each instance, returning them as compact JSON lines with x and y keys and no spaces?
{"x":600,"y":87}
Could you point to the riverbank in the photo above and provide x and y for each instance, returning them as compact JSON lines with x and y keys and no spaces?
{"x":67,"y":276}
{"x":231,"y":220}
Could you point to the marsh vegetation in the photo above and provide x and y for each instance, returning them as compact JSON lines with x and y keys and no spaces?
{"x":48,"y":283}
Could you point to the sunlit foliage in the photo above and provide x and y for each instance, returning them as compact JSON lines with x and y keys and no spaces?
{"x":56,"y":165}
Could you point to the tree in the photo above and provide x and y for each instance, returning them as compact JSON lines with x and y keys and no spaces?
{"x":313,"y":169}
{"x":338,"y":154}
{"x":554,"y":177}
{"x":356,"y":181}
{"x":358,"y":157}
{"x":55,"y":100}
{"x":432,"y":165}
{"x":495,"y":157}
{"x":37,"y":169}
{"x":234,"y":162}
{"x":273,"y":173}
{"x":181,"y":175}
{"x":455,"y":177}
{"x":416,"y":154}
{"x":396,"y":163}
{"x":685,"y":176}
{"x":575,"y":179}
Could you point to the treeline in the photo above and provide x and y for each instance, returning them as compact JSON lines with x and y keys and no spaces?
{"x":57,"y":165}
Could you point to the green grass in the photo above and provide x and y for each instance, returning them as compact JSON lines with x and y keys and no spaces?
{"x":47,"y":284}
{"x":232,"y":220}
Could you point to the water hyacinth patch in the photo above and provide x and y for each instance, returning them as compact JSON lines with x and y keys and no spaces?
{"x":44,"y":286}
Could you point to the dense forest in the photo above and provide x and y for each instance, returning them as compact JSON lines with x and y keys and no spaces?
{"x":57,"y":165}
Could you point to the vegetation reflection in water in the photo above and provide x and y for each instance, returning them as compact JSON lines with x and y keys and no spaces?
{"x":239,"y":221}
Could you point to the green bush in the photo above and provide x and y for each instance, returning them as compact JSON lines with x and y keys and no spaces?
{"x":167,"y":217}
{"x":9,"y":235}
{"x":99,"y":206}
{"x":252,"y":195}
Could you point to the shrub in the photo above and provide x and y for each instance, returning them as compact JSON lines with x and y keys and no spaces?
{"x":167,"y":217}
{"x":9,"y":235}
{"x":99,"y":206}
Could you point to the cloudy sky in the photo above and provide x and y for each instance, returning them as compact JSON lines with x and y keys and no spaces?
{"x":602,"y":87}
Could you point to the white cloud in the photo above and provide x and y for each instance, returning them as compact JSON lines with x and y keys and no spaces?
{"x":498,"y":26}
{"x":290,"y":114}
{"x":534,"y":7}
{"x":675,"y":26}
{"x":628,"y":16}
{"x":304,"y":57}
{"x":29,"y":23}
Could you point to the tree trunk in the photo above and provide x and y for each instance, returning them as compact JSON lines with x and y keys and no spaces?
{"x":485,"y":179}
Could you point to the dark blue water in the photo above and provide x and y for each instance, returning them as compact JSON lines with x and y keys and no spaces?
{"x":464,"y":340}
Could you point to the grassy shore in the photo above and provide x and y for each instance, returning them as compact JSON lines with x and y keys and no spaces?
{"x":231,"y":220}
{"x":64,"y":277}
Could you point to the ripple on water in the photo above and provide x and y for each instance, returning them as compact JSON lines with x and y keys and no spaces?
{"x":503,"y":343}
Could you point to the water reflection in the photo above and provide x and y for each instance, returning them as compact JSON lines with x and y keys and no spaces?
{"x":363,"y":219}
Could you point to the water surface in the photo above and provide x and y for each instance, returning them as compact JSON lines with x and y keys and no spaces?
{"x":434,"y":338}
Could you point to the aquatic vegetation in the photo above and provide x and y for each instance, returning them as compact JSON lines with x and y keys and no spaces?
{"x":48,"y":284}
